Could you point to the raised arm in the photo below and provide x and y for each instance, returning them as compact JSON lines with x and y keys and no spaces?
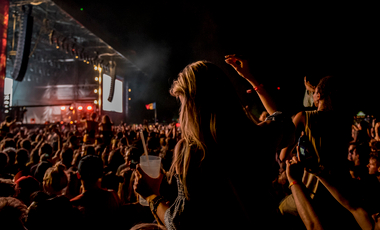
{"x":241,"y":66}
{"x":340,"y":194}
{"x":294,"y":172}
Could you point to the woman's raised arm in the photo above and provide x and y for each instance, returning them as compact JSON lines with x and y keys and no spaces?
{"x":241,"y":67}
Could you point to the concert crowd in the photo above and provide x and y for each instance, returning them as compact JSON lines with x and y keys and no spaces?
{"x":315,"y":169}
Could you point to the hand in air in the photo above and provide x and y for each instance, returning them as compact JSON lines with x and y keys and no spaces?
{"x":308,"y":86}
{"x":240,"y":65}
{"x":145,"y":185}
{"x":294,"y":169}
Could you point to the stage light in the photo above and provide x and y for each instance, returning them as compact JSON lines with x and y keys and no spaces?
{"x":80,"y":108}
{"x":95,"y":102}
{"x":71,"y":108}
{"x":100,"y":69}
{"x":129,"y":90}
{"x":100,"y":91}
{"x":177,"y":125}
{"x":96,"y":79}
{"x":61,"y":122}
{"x":95,"y":91}
{"x":89,"y":107}
{"x":278,"y":88}
{"x":57,"y":47}
{"x":129,"y":98}
{"x":76,"y":56}
{"x":95,"y":67}
{"x":71,"y":122}
{"x":63,"y":108}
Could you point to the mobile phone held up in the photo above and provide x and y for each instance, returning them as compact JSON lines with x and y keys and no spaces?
{"x":303,"y":143}
{"x":307,"y":154}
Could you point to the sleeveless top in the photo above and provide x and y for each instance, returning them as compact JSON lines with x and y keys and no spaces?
{"x":329,"y":135}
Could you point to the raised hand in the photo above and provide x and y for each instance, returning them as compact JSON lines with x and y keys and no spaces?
{"x":294,"y":169}
{"x":308,"y":86}
{"x":240,"y":65}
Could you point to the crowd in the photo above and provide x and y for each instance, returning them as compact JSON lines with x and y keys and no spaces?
{"x":213,"y":175}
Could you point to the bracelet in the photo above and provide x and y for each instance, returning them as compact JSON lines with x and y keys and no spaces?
{"x":293,"y":183}
{"x":157,"y":201}
{"x":153,"y":203}
{"x":257,"y":87}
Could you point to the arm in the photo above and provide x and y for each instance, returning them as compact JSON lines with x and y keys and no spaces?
{"x":377,"y":137}
{"x":241,"y":66}
{"x":361,"y":215}
{"x":294,"y":172}
{"x":149,"y":188}
{"x":56,"y":155}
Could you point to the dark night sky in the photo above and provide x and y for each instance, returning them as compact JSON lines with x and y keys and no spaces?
{"x":284,"y":42}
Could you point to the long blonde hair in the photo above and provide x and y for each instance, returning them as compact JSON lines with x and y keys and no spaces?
{"x":207,"y":100}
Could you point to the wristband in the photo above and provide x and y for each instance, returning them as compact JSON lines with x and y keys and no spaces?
{"x":257,"y":87}
{"x":293,"y":183}
{"x":154,"y":201}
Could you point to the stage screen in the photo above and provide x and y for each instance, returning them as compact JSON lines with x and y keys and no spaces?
{"x":117,"y":103}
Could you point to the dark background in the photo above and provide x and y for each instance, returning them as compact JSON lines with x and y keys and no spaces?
{"x":284,"y":43}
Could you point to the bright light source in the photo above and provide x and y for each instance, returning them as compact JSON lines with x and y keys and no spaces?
{"x":95,"y":102}
{"x":278,"y":88}
{"x":61,"y":122}
{"x":100,"y":91}
{"x":96,"y":79}
{"x":63,"y":108}
{"x":129,"y":98}
{"x":95,"y":67}
{"x":95,"y":91}
{"x":71,"y":122}
{"x":57,"y":47}
{"x":129,"y":90}
{"x":71,"y":108}
{"x":80,"y":107}
{"x":76,"y":56}
{"x":100,"y":69}
{"x":89,"y":107}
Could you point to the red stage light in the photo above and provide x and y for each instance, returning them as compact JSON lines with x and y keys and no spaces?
{"x":89,"y":107}
{"x":80,"y":107}
{"x":177,"y":125}
{"x":278,"y":88}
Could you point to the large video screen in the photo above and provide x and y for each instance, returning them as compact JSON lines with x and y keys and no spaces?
{"x":117,"y":103}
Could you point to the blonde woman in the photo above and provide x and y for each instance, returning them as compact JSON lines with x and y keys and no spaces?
{"x":221,"y":177}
